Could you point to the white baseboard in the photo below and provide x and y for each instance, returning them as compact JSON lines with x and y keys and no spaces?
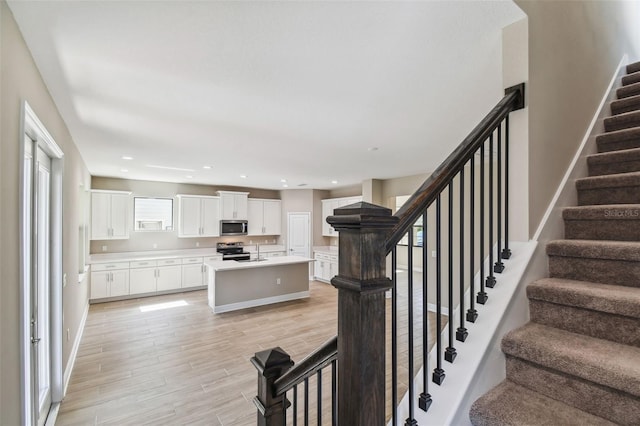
{"x":259,"y":302}
{"x":74,"y":351}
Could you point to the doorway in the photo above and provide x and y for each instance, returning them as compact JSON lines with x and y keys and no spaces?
{"x":299,"y":235}
{"x":41,"y":271}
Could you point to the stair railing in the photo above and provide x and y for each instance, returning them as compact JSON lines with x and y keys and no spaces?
{"x":368,"y":233}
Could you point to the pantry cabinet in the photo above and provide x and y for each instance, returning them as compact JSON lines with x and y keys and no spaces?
{"x":328,"y":206}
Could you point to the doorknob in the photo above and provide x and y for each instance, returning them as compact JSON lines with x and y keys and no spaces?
{"x":34,"y":340}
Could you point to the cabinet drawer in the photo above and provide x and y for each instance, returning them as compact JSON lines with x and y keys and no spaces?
{"x":144,"y":264}
{"x":322,"y":256}
{"x":212,"y":258}
{"x":333,"y":258}
{"x":96,"y":267}
{"x":169,"y":262}
{"x":191,"y":260}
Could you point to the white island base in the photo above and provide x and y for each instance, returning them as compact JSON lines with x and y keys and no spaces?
{"x":238,"y":285}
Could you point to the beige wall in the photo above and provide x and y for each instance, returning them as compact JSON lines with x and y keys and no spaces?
{"x":20,"y":80}
{"x":574,"y":48}
{"x":144,"y":241}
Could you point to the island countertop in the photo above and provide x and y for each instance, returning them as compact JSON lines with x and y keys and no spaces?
{"x":230,"y":265}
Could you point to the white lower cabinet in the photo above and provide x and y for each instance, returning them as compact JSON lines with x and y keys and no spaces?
{"x":142,"y":280}
{"x":109,"y":283}
{"x":158,"y":277}
{"x":192,"y":275}
{"x":325,"y":266}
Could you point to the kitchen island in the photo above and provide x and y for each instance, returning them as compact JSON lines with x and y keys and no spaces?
{"x":234,"y":285}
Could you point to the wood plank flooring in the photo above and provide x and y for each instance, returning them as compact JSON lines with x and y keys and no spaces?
{"x":187,"y":366}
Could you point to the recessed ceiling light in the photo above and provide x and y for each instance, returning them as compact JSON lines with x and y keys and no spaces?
{"x":124,"y":170}
{"x":373,"y":148}
{"x":334,"y":182}
{"x":206,"y":167}
{"x":189,"y":177}
{"x":153,"y":166}
{"x":126,"y":157}
{"x":243,"y":176}
{"x":283,"y":180}
{"x":285,"y":186}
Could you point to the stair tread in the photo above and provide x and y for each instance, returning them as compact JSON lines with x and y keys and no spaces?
{"x":628,"y":90}
{"x":628,"y":102}
{"x":623,"y":155}
{"x":630,"y":78}
{"x":623,"y":120}
{"x":600,"y":361}
{"x":512,"y":404}
{"x":609,"y":181}
{"x":613,"y":299}
{"x":595,"y":249}
{"x":633,"y":67}
{"x":602,"y":211}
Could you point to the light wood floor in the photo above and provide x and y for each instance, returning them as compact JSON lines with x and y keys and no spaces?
{"x":186,"y":365}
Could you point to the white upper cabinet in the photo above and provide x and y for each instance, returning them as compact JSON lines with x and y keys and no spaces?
{"x":110,"y":214}
{"x":264,"y":216}
{"x":233,"y":205}
{"x":198,"y":216}
{"x":328,"y":206}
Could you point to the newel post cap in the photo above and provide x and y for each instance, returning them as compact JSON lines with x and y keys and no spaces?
{"x":272,"y":362}
{"x":362,"y":215}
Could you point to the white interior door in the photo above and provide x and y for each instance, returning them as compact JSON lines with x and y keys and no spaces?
{"x":298,"y":235}
{"x":41,"y":300}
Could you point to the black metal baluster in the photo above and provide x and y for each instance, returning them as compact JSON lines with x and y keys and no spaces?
{"x":410,"y":421}
{"x":499,"y":266}
{"x":438,"y":372}
{"x":319,"y":396}
{"x":394,"y":336}
{"x":306,"y":402}
{"x":450,"y":351}
{"x":472,"y":314}
{"x":506,"y":253}
{"x":295,"y":405}
{"x":491,"y":280}
{"x":482,"y":295}
{"x":461,"y":332}
{"x":424,"y":401}
{"x":334,"y":393}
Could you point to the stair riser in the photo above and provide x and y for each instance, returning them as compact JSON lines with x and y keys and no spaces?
{"x":615,"y":195}
{"x":621,"y":122}
{"x":605,"y":271}
{"x":635,"y":67}
{"x":611,"y":229}
{"x":618,"y":145}
{"x":625,"y":105}
{"x":626,"y":91}
{"x":601,"y":325}
{"x":613,"y":168}
{"x":602,"y":401}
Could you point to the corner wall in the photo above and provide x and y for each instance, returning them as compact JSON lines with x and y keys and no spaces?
{"x":20,"y":80}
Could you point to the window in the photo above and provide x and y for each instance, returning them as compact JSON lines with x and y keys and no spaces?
{"x":152,"y":214}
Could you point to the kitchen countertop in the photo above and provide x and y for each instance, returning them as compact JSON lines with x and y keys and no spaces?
{"x":326,"y":249}
{"x":264,"y":248}
{"x":230,"y":265}
{"x":148,"y":255}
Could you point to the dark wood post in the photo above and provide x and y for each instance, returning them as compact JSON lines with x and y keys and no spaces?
{"x":271,"y":364}
{"x":361,"y":285}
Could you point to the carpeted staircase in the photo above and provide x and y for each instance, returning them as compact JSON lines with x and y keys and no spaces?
{"x":577,"y":362}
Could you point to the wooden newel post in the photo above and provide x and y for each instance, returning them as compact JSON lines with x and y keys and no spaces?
{"x":271,"y":364}
{"x":361,"y":285}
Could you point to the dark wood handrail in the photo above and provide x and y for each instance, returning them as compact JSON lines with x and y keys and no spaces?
{"x":440,"y":178}
{"x":315,"y":361}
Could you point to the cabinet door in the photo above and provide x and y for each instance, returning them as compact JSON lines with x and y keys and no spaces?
{"x":241,"y":204}
{"x":192,"y":275}
{"x":272,"y":217}
{"x":169,"y":278}
{"x":210,"y":217}
{"x":100,"y":216}
{"x":120,"y":216}
{"x":255,"y":216}
{"x":119,"y":285}
{"x":189,"y":217}
{"x":327,"y":210}
{"x":142,"y":280}
{"x":333,"y":269}
{"x":100,"y":284}
{"x":227,"y":206}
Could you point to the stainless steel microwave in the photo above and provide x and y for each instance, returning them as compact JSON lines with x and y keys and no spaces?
{"x":233,"y":227}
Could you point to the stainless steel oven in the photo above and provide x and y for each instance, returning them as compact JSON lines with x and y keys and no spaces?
{"x":232,"y":251}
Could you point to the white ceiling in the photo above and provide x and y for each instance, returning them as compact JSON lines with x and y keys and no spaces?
{"x":300,"y":91}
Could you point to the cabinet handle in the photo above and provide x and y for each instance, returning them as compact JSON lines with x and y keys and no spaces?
{"x":111,"y":276}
